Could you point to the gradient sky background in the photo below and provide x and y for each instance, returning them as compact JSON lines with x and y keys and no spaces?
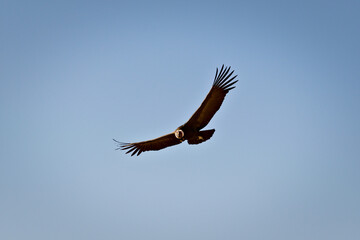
{"x":284,"y":160}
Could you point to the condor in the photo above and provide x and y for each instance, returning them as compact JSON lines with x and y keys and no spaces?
{"x":191,"y":130}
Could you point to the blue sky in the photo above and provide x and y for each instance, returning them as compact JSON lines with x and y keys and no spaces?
{"x":282,"y":164}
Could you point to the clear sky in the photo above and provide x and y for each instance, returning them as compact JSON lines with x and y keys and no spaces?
{"x":284,"y":160}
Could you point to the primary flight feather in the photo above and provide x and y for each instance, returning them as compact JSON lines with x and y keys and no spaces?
{"x":190,"y":131}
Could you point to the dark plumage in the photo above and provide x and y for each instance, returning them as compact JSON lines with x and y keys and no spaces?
{"x":190,"y":131}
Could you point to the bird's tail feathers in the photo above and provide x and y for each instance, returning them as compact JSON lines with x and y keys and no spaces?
{"x":202,"y":137}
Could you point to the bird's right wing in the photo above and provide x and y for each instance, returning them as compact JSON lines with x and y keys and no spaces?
{"x":151,"y":145}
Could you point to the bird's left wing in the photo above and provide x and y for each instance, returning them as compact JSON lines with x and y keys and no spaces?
{"x":223,"y":83}
{"x":150,"y":145}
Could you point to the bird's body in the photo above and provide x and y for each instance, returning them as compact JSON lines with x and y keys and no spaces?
{"x":191,"y":130}
{"x":193,"y":135}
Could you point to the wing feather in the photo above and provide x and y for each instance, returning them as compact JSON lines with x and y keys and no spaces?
{"x":212,"y":103}
{"x":150,"y":145}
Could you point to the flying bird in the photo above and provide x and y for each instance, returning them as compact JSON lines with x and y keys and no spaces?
{"x":190,"y":131}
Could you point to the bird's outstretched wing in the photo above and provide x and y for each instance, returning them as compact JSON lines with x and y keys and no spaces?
{"x":221,"y":86}
{"x":151,"y":145}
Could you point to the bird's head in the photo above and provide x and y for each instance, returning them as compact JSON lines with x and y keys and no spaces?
{"x":179,"y":134}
